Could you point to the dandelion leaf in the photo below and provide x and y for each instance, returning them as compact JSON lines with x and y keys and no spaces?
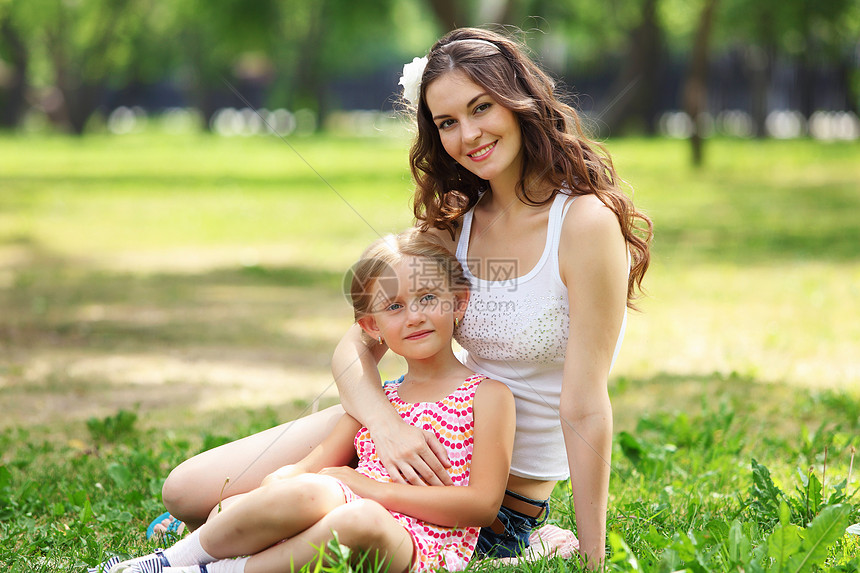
{"x":782,"y":544}
{"x":766,"y":496}
{"x":738,"y":543}
{"x":824,"y":530}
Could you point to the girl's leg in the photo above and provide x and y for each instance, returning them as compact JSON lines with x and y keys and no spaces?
{"x":270,"y":514}
{"x":361,"y":525}
{"x":260,"y":519}
{"x":195,"y":486}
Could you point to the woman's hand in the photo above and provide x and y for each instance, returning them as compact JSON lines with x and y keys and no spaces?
{"x":411,"y":455}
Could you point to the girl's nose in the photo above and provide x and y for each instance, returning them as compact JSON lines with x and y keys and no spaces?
{"x":415,"y":314}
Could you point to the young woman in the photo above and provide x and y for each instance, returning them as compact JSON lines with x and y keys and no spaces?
{"x":408,"y":294}
{"x":555,"y":251}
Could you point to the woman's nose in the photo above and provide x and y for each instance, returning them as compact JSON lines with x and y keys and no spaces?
{"x":470,"y":130}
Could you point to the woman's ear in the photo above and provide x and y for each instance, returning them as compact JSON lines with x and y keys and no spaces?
{"x":461,"y":301}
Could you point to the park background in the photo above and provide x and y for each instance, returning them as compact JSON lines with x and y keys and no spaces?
{"x":183,"y":184}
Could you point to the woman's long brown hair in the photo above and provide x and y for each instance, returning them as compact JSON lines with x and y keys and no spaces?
{"x":555,"y":149}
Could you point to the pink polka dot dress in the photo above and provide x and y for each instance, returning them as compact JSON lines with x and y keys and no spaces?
{"x":452,"y":420}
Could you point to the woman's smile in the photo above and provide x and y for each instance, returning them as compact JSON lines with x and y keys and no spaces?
{"x":481,"y":153}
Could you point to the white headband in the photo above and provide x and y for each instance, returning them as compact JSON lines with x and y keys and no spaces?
{"x":477,"y":40}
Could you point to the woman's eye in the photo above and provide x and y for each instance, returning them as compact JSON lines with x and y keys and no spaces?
{"x":446,"y":124}
{"x":483,"y":107}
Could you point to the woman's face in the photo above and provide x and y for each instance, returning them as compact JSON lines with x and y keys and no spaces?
{"x":475,"y":130}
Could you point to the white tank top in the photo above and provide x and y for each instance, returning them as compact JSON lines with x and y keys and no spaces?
{"x":515,"y":330}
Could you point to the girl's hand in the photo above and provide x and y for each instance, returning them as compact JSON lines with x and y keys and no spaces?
{"x":281,"y":473}
{"x":412,"y":455}
{"x":358,"y":483}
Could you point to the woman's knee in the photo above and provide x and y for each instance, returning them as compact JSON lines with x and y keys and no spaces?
{"x":181,"y":496}
{"x":193,"y":488}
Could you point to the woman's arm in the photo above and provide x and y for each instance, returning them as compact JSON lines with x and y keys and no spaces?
{"x":409,"y":454}
{"x":593,"y":263}
{"x":336,"y":449}
{"x":474,"y":504}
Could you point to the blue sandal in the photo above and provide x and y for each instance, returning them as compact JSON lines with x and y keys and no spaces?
{"x":172,"y":534}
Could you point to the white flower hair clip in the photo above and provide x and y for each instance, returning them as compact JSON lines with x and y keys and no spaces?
{"x":411,"y":79}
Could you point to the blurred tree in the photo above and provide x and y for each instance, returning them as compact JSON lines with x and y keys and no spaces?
{"x":634,"y":93}
{"x":82,"y":47}
{"x":13,"y":73}
{"x":229,"y":41}
{"x":696,"y":84}
{"x":452,"y":14}
{"x":812,"y":33}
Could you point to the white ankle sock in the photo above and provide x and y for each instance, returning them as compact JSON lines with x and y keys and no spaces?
{"x":228,"y":565}
{"x":188,"y":551}
{"x":220,"y":566}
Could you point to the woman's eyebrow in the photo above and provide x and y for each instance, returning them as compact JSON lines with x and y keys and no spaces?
{"x":468,"y":104}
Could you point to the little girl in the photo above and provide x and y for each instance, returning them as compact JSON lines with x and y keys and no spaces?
{"x":410,"y":294}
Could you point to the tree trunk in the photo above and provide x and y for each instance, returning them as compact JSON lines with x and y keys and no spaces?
{"x":450,"y":13}
{"x":758,"y":66}
{"x":634,"y":92}
{"x":12,"y":97}
{"x":80,"y":99}
{"x":849,"y":87}
{"x":696,"y":86}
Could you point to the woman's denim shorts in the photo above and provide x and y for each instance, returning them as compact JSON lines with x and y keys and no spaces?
{"x":518,"y":527}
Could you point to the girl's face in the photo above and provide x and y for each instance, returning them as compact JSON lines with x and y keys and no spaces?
{"x":477,"y":132}
{"x":413,"y":309}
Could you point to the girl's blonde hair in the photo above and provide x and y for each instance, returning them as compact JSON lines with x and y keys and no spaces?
{"x":379,"y":258}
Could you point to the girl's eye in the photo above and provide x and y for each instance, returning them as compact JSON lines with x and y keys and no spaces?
{"x":428,"y":298}
{"x":483,"y":107}
{"x":394,"y":306}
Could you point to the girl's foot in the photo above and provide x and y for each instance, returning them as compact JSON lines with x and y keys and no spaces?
{"x":220,"y":566}
{"x":166,"y":526}
{"x":105,"y":566}
{"x":153,"y":563}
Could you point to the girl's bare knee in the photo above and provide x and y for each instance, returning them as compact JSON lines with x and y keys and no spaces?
{"x":360,"y":523}
{"x":302,"y":492}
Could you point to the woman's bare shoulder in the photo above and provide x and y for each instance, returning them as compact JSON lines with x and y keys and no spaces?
{"x":588,"y":214}
{"x":591,"y":239}
{"x":590,"y":222}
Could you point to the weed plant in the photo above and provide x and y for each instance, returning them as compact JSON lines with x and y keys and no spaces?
{"x":713,"y":490}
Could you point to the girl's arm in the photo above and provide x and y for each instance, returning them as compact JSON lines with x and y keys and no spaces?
{"x":409,"y":454}
{"x":472,"y":505}
{"x":593,"y":263}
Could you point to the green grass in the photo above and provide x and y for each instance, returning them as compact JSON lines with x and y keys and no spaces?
{"x":161,"y":294}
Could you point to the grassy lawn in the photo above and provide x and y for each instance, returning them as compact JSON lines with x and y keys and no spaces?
{"x":161,"y":294}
